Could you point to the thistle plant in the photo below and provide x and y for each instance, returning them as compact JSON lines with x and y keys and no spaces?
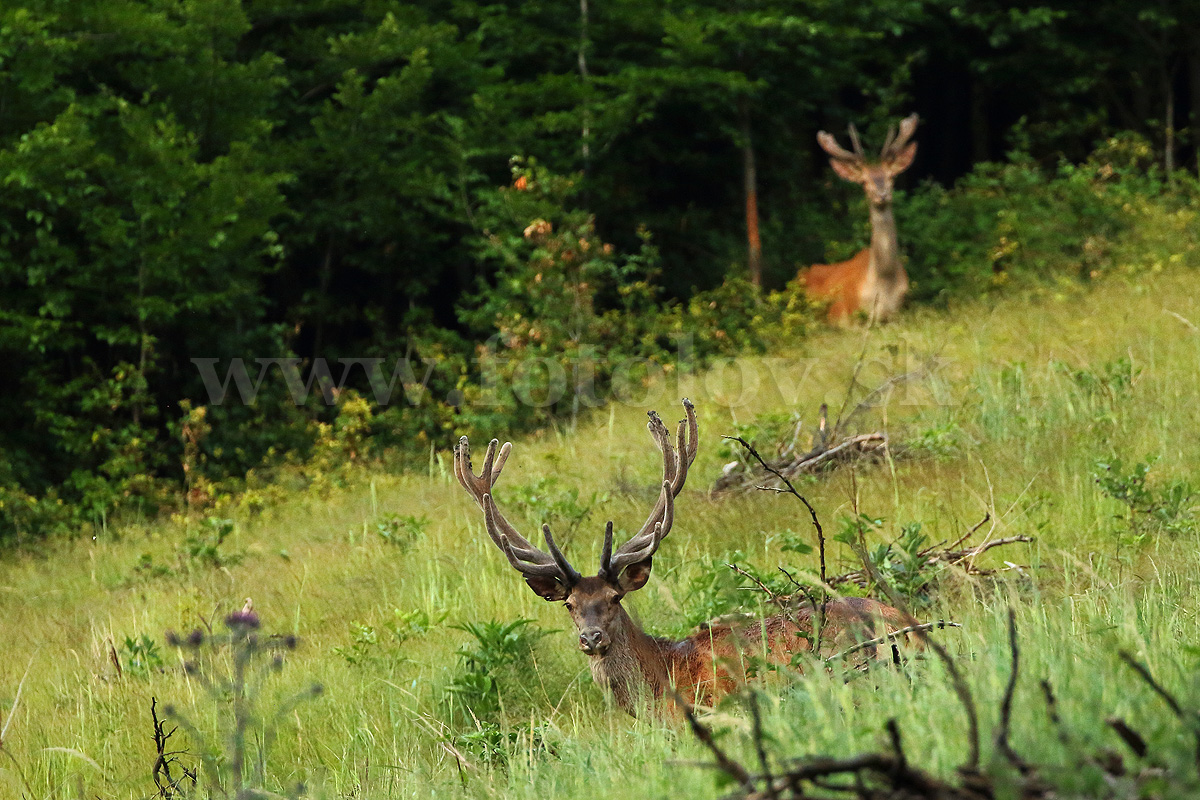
{"x":231,"y":770}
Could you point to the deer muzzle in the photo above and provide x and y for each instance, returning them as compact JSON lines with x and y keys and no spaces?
{"x":593,"y":641}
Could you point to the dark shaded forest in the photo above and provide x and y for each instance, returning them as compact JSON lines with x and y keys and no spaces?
{"x":217,"y":179}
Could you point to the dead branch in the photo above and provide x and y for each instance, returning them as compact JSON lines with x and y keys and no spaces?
{"x":826,"y":452}
{"x":964,"y":559}
{"x":891,"y":637}
{"x":931,"y":364}
{"x":772,"y":597}
{"x":812,"y":512}
{"x":1188,"y":718}
{"x":1002,"y":734}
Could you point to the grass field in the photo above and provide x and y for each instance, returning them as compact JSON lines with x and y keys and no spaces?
{"x":374,"y":575}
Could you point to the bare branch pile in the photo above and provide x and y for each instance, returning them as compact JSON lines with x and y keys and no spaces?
{"x":829,"y":449}
{"x":962,"y":559}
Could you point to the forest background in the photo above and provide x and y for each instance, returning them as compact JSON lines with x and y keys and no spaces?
{"x":472,"y":204}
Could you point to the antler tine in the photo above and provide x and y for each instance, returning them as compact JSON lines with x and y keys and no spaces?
{"x":908,"y":126}
{"x":606,"y":553}
{"x":479,"y":485}
{"x":520,"y":552}
{"x":858,"y":148}
{"x":830,"y":145}
{"x":662,"y":438}
{"x":888,"y":142}
{"x":693,"y":431}
{"x":645,"y":543}
{"x":559,"y":558}
{"x":527,"y":568}
{"x":685,"y":450}
{"x":679,"y":459}
{"x":499,"y":529}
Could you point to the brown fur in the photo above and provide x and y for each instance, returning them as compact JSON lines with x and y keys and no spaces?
{"x":639,"y":670}
{"x":840,"y":284}
{"x":874,"y":280}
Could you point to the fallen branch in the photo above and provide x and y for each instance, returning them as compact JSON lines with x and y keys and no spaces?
{"x":964,"y":559}
{"x":824,"y":453}
{"x":922,"y":628}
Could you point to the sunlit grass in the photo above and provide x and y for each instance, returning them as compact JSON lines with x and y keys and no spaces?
{"x":1020,"y":411}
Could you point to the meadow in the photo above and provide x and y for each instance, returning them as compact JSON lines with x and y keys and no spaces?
{"x":1067,"y":414}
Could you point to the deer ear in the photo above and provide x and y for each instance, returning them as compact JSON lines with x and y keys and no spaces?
{"x":547,"y":588}
{"x":847,"y":171}
{"x":635,"y":576}
{"x":902,"y":161}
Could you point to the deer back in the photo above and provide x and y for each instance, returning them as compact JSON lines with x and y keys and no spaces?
{"x":715,"y":660}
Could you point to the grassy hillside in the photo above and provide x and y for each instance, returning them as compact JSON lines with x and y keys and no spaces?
{"x":1030,"y":396}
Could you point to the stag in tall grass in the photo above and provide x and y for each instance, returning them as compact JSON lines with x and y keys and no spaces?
{"x":874,"y":280}
{"x":639,"y":670}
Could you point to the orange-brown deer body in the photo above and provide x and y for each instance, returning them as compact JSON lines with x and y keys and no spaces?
{"x":874,"y":280}
{"x":639,"y":670}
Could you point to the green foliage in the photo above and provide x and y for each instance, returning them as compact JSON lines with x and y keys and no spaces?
{"x":712,"y":591}
{"x":492,"y":666}
{"x":140,"y":656}
{"x":402,"y":530}
{"x":900,"y":563}
{"x":1149,"y":510}
{"x":205,"y":547}
{"x":232,"y":180}
{"x":547,"y":501}
{"x":1112,"y":381}
{"x":942,"y":441}
{"x":1017,"y":220}
{"x":365,"y":644}
{"x":362,"y":644}
{"x":567,"y":317}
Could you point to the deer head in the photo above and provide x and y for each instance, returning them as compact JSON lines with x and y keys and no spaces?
{"x":594,"y":603}
{"x":876,"y":178}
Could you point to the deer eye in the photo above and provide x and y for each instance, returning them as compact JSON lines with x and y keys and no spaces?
{"x":569,"y":606}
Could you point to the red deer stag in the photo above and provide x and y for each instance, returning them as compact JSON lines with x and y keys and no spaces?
{"x":634,"y":667}
{"x":873,"y":281}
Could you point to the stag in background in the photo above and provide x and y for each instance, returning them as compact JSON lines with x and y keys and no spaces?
{"x":636,"y":669}
{"x":874,"y":280}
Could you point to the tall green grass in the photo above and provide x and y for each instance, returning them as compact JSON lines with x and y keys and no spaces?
{"x":1031,"y":395}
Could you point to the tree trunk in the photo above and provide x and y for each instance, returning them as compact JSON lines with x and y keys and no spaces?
{"x":750,"y":184}
{"x":586,"y":133}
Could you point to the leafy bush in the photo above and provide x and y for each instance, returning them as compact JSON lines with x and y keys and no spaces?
{"x":1018,"y":220}
{"x":205,"y":547}
{"x":365,"y":639}
{"x":140,"y":656}
{"x":496,"y":662}
{"x":1149,"y":510}
{"x":546,"y":501}
{"x":401,"y":530}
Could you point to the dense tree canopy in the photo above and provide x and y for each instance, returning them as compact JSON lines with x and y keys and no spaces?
{"x":321,"y":179}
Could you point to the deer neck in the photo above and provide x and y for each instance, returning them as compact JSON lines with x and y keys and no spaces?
{"x":634,"y":670}
{"x":885,"y":249}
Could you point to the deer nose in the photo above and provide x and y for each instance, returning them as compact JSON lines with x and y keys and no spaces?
{"x":593,"y":641}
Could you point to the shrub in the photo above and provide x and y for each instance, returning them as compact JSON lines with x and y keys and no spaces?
{"x":1020,"y":220}
{"x":494,"y":663}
